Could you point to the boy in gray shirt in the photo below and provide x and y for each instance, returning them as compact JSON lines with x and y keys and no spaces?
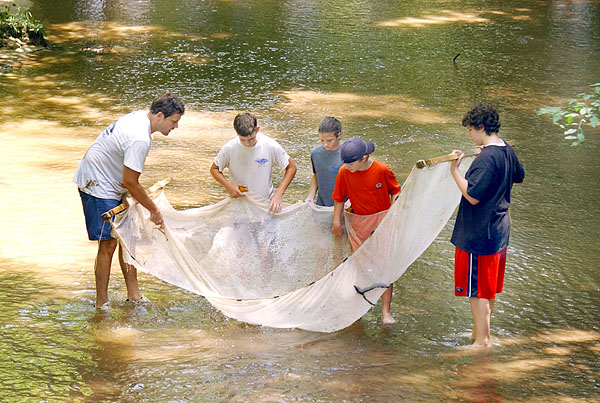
{"x":326,"y":161}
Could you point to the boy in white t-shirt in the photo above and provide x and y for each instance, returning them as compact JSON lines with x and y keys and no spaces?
{"x":250,"y":158}
{"x":110,"y":168}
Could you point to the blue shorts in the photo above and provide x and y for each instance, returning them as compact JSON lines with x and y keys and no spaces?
{"x":93,"y":208}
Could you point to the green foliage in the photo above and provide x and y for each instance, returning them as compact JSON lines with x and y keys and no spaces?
{"x":21,"y":25}
{"x":584,"y":109}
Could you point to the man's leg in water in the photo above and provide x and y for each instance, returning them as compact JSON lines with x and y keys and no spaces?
{"x":130,"y":276}
{"x":106,"y":249}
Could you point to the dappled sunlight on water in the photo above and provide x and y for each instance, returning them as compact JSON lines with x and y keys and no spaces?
{"x":442,"y":17}
{"x":315,"y":105}
{"x":519,"y":98}
{"x":528,"y":355}
{"x":445,"y":17}
{"x":110,"y":37}
{"x":43,"y":227}
{"x":98,"y":31}
{"x":38,"y":96}
{"x":192,"y":58}
{"x":343,"y":365}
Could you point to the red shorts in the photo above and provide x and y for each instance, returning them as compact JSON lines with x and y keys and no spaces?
{"x":478,"y":276}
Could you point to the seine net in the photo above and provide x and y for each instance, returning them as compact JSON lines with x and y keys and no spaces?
{"x":287,"y":270}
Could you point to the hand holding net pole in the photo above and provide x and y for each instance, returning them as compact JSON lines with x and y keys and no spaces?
{"x":452,"y":157}
{"x":107,"y":216}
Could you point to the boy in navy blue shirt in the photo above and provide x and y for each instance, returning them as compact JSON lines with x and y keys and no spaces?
{"x":482,"y":225}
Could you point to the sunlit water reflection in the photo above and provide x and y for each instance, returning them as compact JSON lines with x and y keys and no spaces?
{"x":385,"y":69}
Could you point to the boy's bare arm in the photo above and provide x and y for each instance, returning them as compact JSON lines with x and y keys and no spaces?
{"x":461,"y":182}
{"x":290,"y":172}
{"x":338,"y":210}
{"x":312,"y":189}
{"x":233,"y":189}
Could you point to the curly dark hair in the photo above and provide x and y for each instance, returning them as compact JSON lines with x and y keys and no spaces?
{"x":482,"y":115}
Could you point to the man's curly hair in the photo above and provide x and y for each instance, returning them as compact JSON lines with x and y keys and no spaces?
{"x":482,"y":115}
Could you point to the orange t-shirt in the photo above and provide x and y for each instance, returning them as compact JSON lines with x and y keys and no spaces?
{"x":369,"y":191}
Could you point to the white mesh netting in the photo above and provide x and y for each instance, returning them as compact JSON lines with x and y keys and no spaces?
{"x":287,"y":270}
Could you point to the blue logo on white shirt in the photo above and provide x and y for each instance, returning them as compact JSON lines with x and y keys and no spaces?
{"x":109,"y":130}
{"x":261,"y":162}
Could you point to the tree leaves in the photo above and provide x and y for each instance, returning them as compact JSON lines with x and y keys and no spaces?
{"x":582,"y":110}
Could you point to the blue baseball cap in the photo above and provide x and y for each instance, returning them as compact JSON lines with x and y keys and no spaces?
{"x":354,"y":149}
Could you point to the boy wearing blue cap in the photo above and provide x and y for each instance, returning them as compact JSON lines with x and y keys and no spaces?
{"x":371,"y":187}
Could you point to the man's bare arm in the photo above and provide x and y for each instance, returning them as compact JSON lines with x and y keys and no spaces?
{"x":132,"y":184}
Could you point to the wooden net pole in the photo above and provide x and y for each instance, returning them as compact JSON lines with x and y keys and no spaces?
{"x":452,"y":157}
{"x":124,"y":206}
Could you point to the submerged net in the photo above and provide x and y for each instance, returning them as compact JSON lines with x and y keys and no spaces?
{"x":288,"y":270}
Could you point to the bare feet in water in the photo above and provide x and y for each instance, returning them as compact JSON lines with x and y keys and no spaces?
{"x":388,"y":319}
{"x":477,"y":346}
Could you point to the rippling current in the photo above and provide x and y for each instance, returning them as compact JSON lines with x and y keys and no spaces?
{"x":398,"y":73}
